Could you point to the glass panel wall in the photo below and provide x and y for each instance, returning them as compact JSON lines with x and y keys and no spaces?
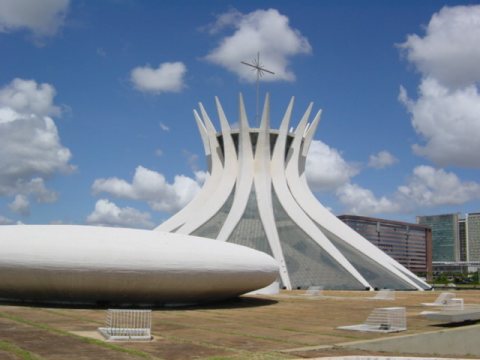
{"x":212,"y":227}
{"x":307,"y":263}
{"x":249,"y":230}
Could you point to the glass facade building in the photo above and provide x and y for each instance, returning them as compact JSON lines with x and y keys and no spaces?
{"x":409,"y":244}
{"x":445,"y":236}
{"x":462,"y":238}
{"x":473,"y":236}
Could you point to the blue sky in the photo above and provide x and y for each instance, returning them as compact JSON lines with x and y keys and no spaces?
{"x":96,"y":101}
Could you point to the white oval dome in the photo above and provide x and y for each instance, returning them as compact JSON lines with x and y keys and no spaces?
{"x":114,"y":265}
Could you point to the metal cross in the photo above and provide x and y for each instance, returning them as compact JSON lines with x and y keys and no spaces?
{"x":260,"y":70}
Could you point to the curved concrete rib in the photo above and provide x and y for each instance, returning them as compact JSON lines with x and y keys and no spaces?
{"x":244,"y":182}
{"x":227,"y":180}
{"x":324,"y":218}
{"x":291,"y":206}
{"x":310,"y":132}
{"x":331,"y":223}
{"x":263,"y":189}
{"x":307,"y":141}
{"x":264,"y":171}
{"x":215,"y":166}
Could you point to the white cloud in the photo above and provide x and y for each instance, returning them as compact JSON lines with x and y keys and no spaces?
{"x":168,"y":77}
{"x":326,"y":169}
{"x":35,"y":187}
{"x":201,"y":177}
{"x":5,"y":221}
{"x":225,"y":20}
{"x":164,"y":127}
{"x":448,"y":120}
{"x":107,"y":213}
{"x":381,"y":160}
{"x":20,"y":205}
{"x":152,"y":187}
{"x":27,"y":97}
{"x":427,"y":187}
{"x":447,"y":111}
{"x":431,"y":187}
{"x":30,"y":145}
{"x":43,"y":18}
{"x":264,"y":31}
{"x":361,"y":201}
{"x":449,"y":51}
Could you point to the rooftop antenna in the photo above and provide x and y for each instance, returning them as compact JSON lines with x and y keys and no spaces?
{"x":260,"y":70}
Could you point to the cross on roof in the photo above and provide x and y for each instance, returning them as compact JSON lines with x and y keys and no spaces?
{"x":260,"y":70}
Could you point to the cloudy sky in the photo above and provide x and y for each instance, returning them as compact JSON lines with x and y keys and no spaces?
{"x":96,"y":101}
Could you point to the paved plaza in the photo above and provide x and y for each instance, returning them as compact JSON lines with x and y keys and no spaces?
{"x":285,"y":326}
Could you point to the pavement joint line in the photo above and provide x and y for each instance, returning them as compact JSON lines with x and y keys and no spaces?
{"x":367,"y":341}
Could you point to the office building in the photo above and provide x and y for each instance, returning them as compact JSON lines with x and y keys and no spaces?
{"x":462,"y":238}
{"x":472,"y":222}
{"x":445,"y":236}
{"x":409,"y":244}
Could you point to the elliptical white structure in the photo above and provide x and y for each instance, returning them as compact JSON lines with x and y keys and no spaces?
{"x":257,"y":195}
{"x":101,"y":265}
